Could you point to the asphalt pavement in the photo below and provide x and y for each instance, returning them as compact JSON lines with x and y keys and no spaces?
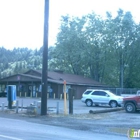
{"x":11,"y":130}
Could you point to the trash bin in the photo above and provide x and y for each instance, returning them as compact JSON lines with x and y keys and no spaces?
{"x":11,"y":95}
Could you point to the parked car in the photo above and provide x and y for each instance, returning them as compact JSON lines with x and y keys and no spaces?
{"x":104,"y":97}
{"x":132,"y":103}
{"x":3,"y":94}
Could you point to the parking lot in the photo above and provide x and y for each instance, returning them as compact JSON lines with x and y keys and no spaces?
{"x":78,"y":106}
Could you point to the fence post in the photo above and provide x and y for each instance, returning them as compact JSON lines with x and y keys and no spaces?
{"x":21,"y":104}
{"x":60,"y":96}
{"x":2,"y":106}
{"x":17,"y":106}
{"x":57,"y":111}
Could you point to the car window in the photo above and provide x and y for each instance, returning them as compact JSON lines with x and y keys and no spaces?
{"x":87,"y":92}
{"x":102,"y":93}
{"x":99,"y":93}
{"x":96,"y":93}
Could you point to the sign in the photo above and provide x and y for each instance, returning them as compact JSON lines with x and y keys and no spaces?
{"x":18,"y":77}
{"x":64,"y":82}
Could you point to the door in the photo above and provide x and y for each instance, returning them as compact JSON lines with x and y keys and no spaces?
{"x":100,"y":97}
{"x":95,"y":96}
{"x":138,"y":101}
{"x":104,"y":97}
{"x":34,"y":91}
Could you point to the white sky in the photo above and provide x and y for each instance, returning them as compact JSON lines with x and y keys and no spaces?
{"x":21,"y":21}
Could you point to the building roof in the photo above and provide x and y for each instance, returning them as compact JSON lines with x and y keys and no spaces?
{"x":59,"y":77}
{"x":53,"y":77}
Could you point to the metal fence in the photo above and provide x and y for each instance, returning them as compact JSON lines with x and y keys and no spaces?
{"x":119,"y":91}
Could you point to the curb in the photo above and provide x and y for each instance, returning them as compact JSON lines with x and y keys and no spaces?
{"x":105,"y":110}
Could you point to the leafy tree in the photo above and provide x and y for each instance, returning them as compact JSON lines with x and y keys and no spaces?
{"x":67,"y":55}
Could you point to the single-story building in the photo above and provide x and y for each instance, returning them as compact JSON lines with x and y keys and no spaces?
{"x":29,"y":83}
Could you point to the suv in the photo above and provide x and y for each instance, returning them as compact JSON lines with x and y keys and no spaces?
{"x":132,"y":103}
{"x":97,"y":97}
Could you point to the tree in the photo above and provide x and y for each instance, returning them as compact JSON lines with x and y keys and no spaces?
{"x":70,"y":40}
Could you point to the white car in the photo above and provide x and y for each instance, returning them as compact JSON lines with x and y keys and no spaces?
{"x":97,"y":97}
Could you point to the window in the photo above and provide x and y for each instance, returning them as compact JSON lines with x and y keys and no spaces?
{"x":99,"y":93}
{"x":102,"y":93}
{"x":87,"y":92}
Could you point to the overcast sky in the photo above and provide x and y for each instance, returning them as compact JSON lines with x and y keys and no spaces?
{"x":21,"y":21}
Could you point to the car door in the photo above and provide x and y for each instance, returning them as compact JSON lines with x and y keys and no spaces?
{"x":138,"y":101}
{"x":104,"y":97}
{"x":95,"y":96}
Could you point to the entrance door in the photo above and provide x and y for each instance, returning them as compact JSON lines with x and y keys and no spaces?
{"x":30,"y":91}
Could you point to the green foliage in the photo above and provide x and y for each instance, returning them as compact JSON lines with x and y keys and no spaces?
{"x":19,"y":60}
{"x":106,"y":50}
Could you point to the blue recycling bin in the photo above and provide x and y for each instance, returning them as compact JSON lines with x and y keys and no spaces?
{"x":11,"y":95}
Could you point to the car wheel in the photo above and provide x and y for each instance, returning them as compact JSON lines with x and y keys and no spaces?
{"x":113,"y":104}
{"x":89,"y":103}
{"x":130,"y":108}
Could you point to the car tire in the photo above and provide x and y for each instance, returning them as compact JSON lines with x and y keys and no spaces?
{"x":113,"y":104}
{"x":130,"y":108}
{"x":89,"y":102}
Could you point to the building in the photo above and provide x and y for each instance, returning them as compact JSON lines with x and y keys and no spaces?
{"x":29,"y":83}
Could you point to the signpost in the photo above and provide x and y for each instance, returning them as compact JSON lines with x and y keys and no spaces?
{"x":65,"y":100}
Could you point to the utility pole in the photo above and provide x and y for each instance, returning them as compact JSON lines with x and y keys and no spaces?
{"x":45,"y":60}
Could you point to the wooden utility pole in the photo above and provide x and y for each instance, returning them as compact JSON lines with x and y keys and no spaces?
{"x":45,"y":60}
